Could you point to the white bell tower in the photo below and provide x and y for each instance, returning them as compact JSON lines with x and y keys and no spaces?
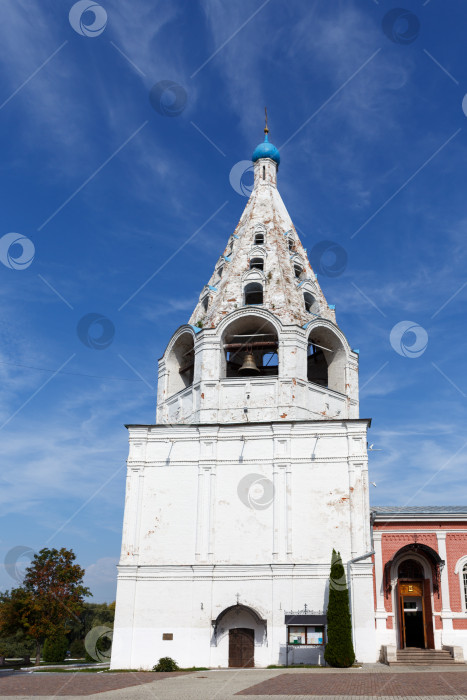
{"x":256,"y":468}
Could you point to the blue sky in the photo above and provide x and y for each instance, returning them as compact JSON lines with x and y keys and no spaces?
{"x":108,"y":188}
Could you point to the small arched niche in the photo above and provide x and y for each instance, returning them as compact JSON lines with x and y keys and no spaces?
{"x":257,"y":263}
{"x":298,"y":270}
{"x":250,"y":348}
{"x":253,"y":294}
{"x":259,"y":238}
{"x":205,"y":302}
{"x":311,"y":305}
{"x":180,"y":364}
{"x":326,"y":359}
{"x":298,"y":267}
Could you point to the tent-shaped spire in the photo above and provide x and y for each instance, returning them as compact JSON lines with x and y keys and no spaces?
{"x":264,"y":262}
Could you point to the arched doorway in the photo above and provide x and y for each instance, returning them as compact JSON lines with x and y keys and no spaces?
{"x":238,"y":633}
{"x":414,"y":574}
{"x":414,"y":610}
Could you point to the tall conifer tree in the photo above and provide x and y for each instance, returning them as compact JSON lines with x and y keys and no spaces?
{"x":339,"y":650}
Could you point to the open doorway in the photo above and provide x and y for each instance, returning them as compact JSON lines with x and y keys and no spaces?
{"x":415,"y":610}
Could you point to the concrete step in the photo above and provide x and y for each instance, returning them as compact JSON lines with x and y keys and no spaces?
{"x":424,"y":657}
{"x":418,"y":650}
{"x":425,"y":663}
{"x":414,"y":655}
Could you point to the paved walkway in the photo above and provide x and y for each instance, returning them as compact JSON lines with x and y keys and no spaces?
{"x":371,"y":681}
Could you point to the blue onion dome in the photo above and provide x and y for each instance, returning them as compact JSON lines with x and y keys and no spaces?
{"x":266,"y":150}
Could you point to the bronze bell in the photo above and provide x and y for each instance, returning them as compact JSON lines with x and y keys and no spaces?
{"x":249,"y":365}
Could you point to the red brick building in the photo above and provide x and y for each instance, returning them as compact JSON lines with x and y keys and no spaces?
{"x":420,"y":576}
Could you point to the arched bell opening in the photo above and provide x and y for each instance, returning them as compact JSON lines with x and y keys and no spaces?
{"x":180,"y":364}
{"x":250,"y":348}
{"x":326,"y":360}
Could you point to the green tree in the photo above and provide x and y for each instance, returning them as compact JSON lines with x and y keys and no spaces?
{"x":16,"y":646}
{"x":12,"y":607}
{"x":55,"y":649}
{"x":339,"y":650}
{"x":93,"y":615}
{"x":77,"y":649}
{"x":52,"y":595}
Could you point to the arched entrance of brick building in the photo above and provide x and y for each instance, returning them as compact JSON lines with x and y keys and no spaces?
{"x":414,"y":606}
{"x":414,"y":574}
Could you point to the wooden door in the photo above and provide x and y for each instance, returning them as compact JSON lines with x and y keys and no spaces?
{"x":428,"y":615}
{"x":241,"y":648}
{"x":400,"y":599}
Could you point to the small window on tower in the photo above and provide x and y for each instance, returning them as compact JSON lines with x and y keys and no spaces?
{"x":253,"y":293}
{"x":264,"y":172}
{"x":259,"y":238}
{"x":256,"y":264}
{"x":205,"y":303}
{"x":298,"y":270}
{"x":309,"y":301}
{"x":220,"y":270}
{"x":291,"y":245}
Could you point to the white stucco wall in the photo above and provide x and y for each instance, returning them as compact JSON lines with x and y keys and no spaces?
{"x":249,"y":512}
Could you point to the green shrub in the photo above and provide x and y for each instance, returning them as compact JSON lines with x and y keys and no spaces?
{"x":55,"y":649}
{"x":77,"y":650}
{"x":166,"y":664}
{"x":18,"y":645}
{"x":339,"y":650}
